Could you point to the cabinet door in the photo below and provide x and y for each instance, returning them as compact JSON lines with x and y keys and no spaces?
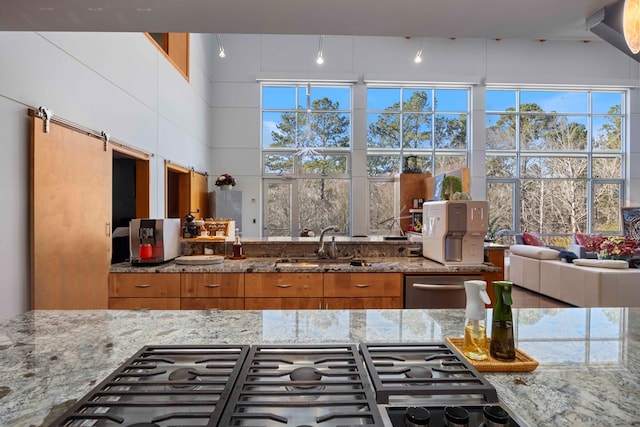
{"x":283,"y":285}
{"x":362,"y":290}
{"x":212,"y":303}
{"x":282,"y":303}
{"x":70,"y":218}
{"x":212,"y":285}
{"x":363,"y":285}
{"x":363,"y":303}
{"x":144,"y":285}
{"x":224,"y":291}
{"x":144,"y":303}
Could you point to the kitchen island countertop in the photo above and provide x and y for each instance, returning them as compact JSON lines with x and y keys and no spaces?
{"x":589,"y":372}
{"x":267,"y":265}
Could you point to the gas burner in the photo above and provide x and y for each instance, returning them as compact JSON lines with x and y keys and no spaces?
{"x":418,"y":372}
{"x":424,"y":371}
{"x":305,"y":378}
{"x":178,"y":385}
{"x":305,"y":374}
{"x":300,"y":385}
{"x":183,"y":375}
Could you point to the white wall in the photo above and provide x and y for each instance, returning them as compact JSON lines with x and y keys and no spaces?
{"x":114,"y":82}
{"x":236,"y":100}
{"x":121,"y":84}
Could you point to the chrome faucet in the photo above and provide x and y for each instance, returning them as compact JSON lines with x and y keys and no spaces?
{"x":333,"y":253}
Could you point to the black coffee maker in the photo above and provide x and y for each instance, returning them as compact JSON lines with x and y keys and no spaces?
{"x":190,"y":230}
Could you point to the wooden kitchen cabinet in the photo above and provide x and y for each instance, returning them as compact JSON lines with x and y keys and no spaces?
{"x":158,"y":291}
{"x":144,"y":303}
{"x":201,"y":291}
{"x":362,"y":290}
{"x":283,"y":291}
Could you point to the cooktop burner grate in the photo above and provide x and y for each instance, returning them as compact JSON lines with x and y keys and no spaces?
{"x":323,"y":385}
{"x":432,"y":370}
{"x":162,"y":385}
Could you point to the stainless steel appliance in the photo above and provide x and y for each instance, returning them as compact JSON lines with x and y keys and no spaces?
{"x":445,"y":291}
{"x":160,"y":237}
{"x":453,"y":231}
{"x":293,"y":385}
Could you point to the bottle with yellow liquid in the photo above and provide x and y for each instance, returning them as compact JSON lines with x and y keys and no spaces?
{"x":475,"y":332}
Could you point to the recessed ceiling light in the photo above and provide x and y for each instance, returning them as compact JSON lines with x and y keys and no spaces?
{"x":45,"y":9}
{"x":95,"y":9}
{"x":143,"y":9}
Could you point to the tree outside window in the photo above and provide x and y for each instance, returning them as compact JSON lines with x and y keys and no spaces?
{"x":307,"y":141}
{"x":561,"y":152}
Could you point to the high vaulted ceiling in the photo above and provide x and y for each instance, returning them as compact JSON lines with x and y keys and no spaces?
{"x":487,"y":19}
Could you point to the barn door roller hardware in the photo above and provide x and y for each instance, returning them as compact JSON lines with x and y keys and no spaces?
{"x":107,"y":137}
{"x":46,"y":114}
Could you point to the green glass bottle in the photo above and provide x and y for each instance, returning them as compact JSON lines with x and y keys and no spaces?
{"x":502,"y":345}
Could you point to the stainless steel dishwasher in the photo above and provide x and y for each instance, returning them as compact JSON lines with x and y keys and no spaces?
{"x":436,"y":291}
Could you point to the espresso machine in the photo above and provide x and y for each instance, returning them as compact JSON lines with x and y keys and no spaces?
{"x":453,"y":231}
{"x":153,"y":241}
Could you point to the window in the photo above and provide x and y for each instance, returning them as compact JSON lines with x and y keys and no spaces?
{"x":175,"y":47}
{"x":429,"y":125}
{"x":306,"y":157}
{"x":554,"y":160}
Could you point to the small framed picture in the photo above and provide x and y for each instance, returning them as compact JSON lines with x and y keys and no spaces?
{"x":631,"y":222}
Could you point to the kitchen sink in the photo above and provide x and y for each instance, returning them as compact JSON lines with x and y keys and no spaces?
{"x":307,"y":262}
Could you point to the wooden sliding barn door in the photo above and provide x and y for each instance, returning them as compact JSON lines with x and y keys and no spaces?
{"x":70,"y":218}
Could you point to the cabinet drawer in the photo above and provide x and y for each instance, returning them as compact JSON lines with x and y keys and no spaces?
{"x":212,"y":303}
{"x":144,"y":303}
{"x":281,"y":285}
{"x":212,"y":285}
{"x":140,"y":285}
{"x":363,"y":285}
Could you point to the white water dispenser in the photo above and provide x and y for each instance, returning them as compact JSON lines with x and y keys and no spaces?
{"x":453,"y":231}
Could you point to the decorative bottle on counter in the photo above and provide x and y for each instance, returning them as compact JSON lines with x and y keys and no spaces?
{"x":475,"y":331}
{"x":502,"y":346}
{"x":237,"y":246}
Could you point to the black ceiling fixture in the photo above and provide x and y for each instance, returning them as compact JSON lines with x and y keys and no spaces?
{"x":607,"y":24}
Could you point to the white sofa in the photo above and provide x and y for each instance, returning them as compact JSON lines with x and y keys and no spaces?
{"x":541,"y":270}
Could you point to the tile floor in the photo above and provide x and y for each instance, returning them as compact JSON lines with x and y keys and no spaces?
{"x":524,"y":298}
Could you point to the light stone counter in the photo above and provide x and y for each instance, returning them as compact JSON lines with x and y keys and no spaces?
{"x":266,"y":265}
{"x":589,"y":372}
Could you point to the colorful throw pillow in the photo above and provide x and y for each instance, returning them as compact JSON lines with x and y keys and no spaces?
{"x":591,"y":242}
{"x":532,"y":239}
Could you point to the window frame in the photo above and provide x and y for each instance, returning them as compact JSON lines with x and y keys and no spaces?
{"x":589,"y":153}
{"x":297,"y":172}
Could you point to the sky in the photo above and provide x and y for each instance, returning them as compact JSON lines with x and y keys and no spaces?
{"x":447,"y":100}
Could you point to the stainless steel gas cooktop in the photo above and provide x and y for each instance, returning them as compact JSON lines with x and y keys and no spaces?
{"x":292,"y":385}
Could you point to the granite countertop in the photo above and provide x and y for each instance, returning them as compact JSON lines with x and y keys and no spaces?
{"x":589,"y":372}
{"x":267,"y":265}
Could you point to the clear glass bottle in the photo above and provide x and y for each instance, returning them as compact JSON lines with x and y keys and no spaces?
{"x":502,"y":345}
{"x":475,"y":331}
{"x":237,"y":245}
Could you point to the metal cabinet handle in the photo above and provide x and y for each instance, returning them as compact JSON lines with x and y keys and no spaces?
{"x":212,"y":285}
{"x":284,"y":285}
{"x":438,"y":287}
{"x":361,"y":285}
{"x":142,"y":285}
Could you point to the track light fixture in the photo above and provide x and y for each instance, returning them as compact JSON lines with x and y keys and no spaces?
{"x":418,"y":58}
{"x":320,"y":58}
{"x":221,"y":52}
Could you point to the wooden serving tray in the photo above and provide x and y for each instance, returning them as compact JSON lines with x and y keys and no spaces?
{"x":522,"y":362}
